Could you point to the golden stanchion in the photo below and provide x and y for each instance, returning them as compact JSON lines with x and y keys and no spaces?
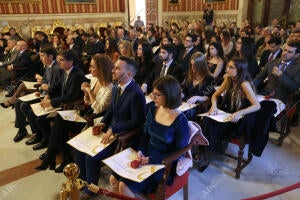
{"x":73,"y":185}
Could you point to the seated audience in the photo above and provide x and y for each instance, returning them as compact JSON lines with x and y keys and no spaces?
{"x":215,"y":59}
{"x":126,"y":49}
{"x":274,"y":51}
{"x":97,"y":95}
{"x":111,"y":49}
{"x":126,"y":112}
{"x":238,"y":99}
{"x":52,"y":86}
{"x":283,"y":74}
{"x":166,"y":131}
{"x":144,"y":62}
{"x":185,"y":54}
{"x":198,"y":86}
{"x":245,"y":48}
{"x":167,"y":66}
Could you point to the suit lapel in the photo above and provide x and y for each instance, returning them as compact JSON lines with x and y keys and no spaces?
{"x":124,"y":94}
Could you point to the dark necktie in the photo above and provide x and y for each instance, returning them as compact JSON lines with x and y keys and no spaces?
{"x":163,"y":71}
{"x":118,"y":95}
{"x":271,"y":57}
{"x":283,"y":66}
{"x":185,"y":53}
{"x":64,"y":83}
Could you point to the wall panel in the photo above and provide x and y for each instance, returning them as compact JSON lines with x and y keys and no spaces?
{"x":59,"y":6}
{"x":198,"y":5}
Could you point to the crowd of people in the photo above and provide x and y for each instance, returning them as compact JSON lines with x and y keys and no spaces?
{"x":214,"y":67}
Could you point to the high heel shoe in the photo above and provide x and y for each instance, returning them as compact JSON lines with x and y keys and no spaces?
{"x":45,"y":164}
{"x":7,"y":105}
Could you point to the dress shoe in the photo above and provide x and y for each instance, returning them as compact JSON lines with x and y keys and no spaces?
{"x":33,"y":140}
{"x":40,"y":145}
{"x":20,"y":135}
{"x":61,"y":167}
{"x":45,"y":164}
{"x":203,"y":164}
{"x":43,"y":156}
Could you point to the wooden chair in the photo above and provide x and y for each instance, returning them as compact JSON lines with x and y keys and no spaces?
{"x":165,"y":191}
{"x":285,"y":117}
{"x":241,"y":161}
{"x":124,"y":137}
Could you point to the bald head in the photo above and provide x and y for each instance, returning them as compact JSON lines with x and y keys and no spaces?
{"x":21,"y":45}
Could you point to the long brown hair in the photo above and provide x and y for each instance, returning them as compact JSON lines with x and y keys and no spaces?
{"x":105,"y":65}
{"x":235,"y":83}
{"x":200,"y":66}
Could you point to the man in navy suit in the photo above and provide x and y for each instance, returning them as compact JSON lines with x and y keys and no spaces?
{"x":126,"y":112}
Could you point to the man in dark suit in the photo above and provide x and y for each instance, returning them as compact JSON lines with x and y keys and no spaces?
{"x":10,"y":53}
{"x":272,"y":53}
{"x":126,"y":112}
{"x":50,"y":85}
{"x":185,"y":54}
{"x":70,"y":91}
{"x":76,"y":48}
{"x":166,"y":66}
{"x":97,"y":45}
{"x":283,"y":74}
{"x":20,"y":65}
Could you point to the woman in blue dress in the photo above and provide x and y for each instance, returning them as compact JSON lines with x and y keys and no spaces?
{"x":166,"y":131}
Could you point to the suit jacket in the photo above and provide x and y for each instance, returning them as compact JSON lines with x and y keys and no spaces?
{"x":98,"y":47}
{"x":10,"y":58}
{"x":265,"y":57}
{"x":284,"y":85}
{"x":22,"y":60}
{"x":71,"y":89}
{"x":185,"y":61}
{"x":53,"y":77}
{"x":128,"y":112}
{"x":174,"y":69}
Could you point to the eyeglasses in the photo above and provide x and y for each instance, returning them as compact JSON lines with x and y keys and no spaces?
{"x":157,"y":94}
{"x":188,"y":40}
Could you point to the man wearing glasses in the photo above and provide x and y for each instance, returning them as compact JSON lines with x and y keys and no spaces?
{"x":187,"y":52}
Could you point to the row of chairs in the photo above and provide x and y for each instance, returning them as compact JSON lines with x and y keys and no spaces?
{"x":164,"y":191}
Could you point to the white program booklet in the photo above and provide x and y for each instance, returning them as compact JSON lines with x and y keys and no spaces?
{"x":88,"y":143}
{"x":121,"y":164}
{"x":32,"y":96}
{"x":71,"y":115}
{"x":221,"y":116}
{"x":38,"y":110}
{"x":30,"y":85}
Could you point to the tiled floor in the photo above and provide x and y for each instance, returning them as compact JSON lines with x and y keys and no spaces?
{"x":278,"y":167}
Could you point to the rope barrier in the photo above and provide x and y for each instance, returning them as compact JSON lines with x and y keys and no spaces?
{"x":96,"y":189}
{"x":275,"y":193}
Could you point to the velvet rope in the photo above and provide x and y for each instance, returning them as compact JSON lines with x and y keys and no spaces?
{"x":275,"y":193}
{"x":96,"y":189}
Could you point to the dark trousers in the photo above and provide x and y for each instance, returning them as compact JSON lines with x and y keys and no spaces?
{"x":90,"y":166}
{"x":60,"y":134}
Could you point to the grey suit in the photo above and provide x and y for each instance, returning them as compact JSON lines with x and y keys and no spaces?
{"x":10,"y":57}
{"x":284,"y":85}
